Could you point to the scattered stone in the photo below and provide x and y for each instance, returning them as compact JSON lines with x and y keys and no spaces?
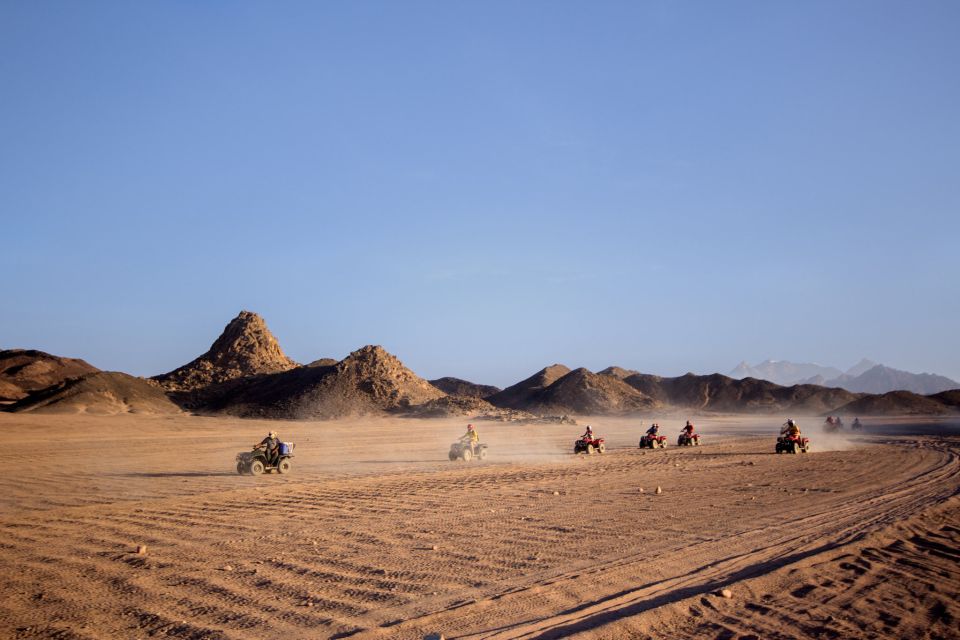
{"x":226,"y":567}
{"x":641,"y":489}
{"x":434,"y":636}
{"x":141,"y":549}
{"x":725,"y":593}
{"x":556,"y":493}
{"x":434,"y":548}
{"x":659,"y":490}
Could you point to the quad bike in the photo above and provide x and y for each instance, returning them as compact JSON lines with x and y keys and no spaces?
{"x":856,"y":426}
{"x":793,"y":444}
{"x":688,"y":440}
{"x":255,"y":462}
{"x":832,"y":425}
{"x":653,"y":442}
{"x":460,"y":450}
{"x":589,"y":445}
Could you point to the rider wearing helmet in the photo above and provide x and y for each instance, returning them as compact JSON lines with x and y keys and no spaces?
{"x":653,"y":430}
{"x":588,"y":434}
{"x":688,"y":428}
{"x":790,"y":428}
{"x":470,"y":438}
{"x":271,"y":445}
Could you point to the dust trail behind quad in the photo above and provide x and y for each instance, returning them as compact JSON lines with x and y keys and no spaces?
{"x":377,"y":534}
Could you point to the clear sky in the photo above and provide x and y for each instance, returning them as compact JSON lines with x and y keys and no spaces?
{"x":484,"y":188}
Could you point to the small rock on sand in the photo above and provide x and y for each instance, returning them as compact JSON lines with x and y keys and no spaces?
{"x":434,"y":636}
{"x":141,"y":549}
{"x":659,"y":490}
{"x":725,"y":593}
{"x":556,"y":493}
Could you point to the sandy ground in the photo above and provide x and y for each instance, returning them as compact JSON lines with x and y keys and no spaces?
{"x":375,"y":534}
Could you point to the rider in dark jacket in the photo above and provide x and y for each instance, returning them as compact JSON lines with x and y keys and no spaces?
{"x":271,"y":446}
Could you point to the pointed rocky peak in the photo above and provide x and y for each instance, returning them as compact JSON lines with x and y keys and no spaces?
{"x":548,"y":375}
{"x":246,"y":347}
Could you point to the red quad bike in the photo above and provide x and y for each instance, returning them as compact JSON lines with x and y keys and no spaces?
{"x":588,"y":446}
{"x":688,"y":440}
{"x":793,"y":444}
{"x":653,"y":442}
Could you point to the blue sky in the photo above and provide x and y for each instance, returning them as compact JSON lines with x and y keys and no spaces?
{"x":484,"y":188}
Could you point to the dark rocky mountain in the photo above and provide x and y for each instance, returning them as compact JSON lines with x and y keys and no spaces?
{"x":585,"y":393}
{"x":23,"y":371}
{"x":245,"y":348}
{"x":897,"y":403}
{"x":464,"y":388}
{"x":100,"y":393}
{"x":720,"y":393}
{"x":520,"y":395}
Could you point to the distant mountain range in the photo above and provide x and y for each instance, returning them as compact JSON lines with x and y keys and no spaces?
{"x":245,"y":373}
{"x":864,"y":377}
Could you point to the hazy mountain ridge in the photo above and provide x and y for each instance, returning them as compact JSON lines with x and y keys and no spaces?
{"x":864,"y":377}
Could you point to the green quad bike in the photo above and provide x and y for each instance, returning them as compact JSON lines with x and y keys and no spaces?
{"x":255,"y":462}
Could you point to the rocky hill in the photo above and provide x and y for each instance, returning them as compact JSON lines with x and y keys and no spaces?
{"x":897,"y":403}
{"x":245,"y":348}
{"x":464,"y":388}
{"x":100,"y":393}
{"x":23,"y":371}
{"x":721,"y":393}
{"x":369,"y":380}
{"x":520,"y":395}
{"x":584,"y":393}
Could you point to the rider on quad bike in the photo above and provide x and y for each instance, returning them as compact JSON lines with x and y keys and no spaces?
{"x":790,"y":428}
{"x":271,"y":446}
{"x":790,"y":440}
{"x":470,"y":438}
{"x":652,"y":439}
{"x":688,"y":436}
{"x":588,"y":443}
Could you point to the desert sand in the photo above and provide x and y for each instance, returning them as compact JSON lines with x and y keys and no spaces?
{"x":375,"y":534}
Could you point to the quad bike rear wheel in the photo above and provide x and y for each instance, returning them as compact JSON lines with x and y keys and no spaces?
{"x":284,"y":466}
{"x":453,"y":456}
{"x":240,"y":468}
{"x":256,"y":468}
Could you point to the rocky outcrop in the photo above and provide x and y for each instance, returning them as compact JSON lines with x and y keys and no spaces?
{"x":464,"y":388}
{"x":245,"y":348}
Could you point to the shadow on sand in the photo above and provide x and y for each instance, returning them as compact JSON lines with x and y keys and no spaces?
{"x":179,"y":474}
